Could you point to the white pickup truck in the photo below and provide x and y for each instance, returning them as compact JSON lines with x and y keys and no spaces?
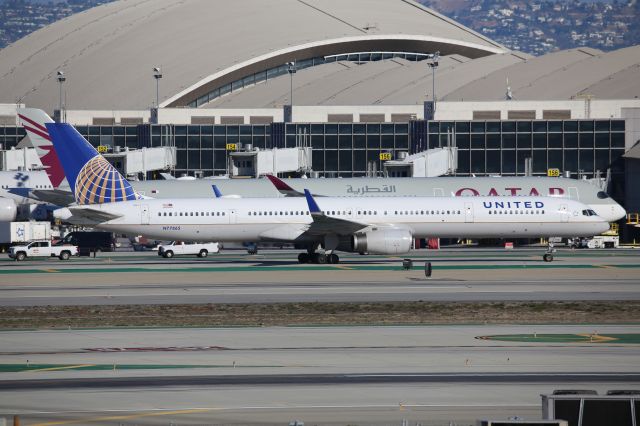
{"x":42,"y":249}
{"x":176,"y":248}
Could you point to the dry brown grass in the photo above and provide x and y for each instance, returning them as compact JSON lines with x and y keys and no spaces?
{"x":283,"y":314}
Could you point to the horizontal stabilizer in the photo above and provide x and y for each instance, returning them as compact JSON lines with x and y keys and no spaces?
{"x":59,"y":197}
{"x":94,"y":214}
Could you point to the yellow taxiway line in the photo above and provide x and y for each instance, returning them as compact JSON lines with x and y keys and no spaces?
{"x":124,"y":417}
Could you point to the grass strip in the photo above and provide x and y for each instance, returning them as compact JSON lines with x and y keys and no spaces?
{"x":305,"y":314}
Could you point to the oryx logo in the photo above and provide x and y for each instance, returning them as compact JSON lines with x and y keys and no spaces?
{"x":21,"y":179}
{"x":99,"y":182}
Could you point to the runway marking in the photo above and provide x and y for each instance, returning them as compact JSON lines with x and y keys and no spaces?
{"x":355,"y":267}
{"x":629,"y":338}
{"x":66,"y":367}
{"x":125,"y":417}
{"x":17,"y":368}
{"x":596,"y":338}
{"x":160,"y":411}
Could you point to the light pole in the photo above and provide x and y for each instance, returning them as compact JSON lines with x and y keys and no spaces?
{"x":157,"y":74}
{"x":433,"y":64}
{"x":291,"y":68}
{"x":61,"y":79}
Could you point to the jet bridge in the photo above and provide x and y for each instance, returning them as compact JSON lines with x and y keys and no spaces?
{"x":429,"y":163}
{"x":133,"y":161}
{"x":20,"y":159}
{"x":254,"y":162}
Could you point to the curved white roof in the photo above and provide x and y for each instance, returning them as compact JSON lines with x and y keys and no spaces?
{"x":561,"y":75}
{"x":389,"y":82}
{"x":108,"y":52}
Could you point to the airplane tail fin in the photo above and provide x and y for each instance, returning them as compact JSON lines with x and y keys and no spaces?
{"x":34,"y":122}
{"x":283,"y":187}
{"x":93,"y":180}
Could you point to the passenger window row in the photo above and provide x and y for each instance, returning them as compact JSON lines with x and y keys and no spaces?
{"x":191,"y":214}
{"x":279,"y":213}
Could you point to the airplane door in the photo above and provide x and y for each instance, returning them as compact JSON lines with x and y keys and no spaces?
{"x":468,"y":212}
{"x":438,"y":192}
{"x":145,"y":216}
{"x":564,"y":211}
{"x":573,"y":192}
{"x":233,"y":216}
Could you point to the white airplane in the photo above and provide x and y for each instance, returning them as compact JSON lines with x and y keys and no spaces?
{"x":35,"y":120}
{"x":381,"y":225}
{"x":22,"y":188}
{"x":17,"y":189}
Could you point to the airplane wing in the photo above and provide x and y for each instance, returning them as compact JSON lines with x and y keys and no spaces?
{"x":93,"y":214}
{"x":323,"y":224}
{"x":59,"y":197}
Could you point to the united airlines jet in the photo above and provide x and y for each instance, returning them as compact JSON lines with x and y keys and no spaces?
{"x":35,"y":120}
{"x":379,"y":225}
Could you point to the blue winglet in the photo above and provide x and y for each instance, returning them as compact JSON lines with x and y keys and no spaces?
{"x":216,"y":191}
{"x":313,"y":206}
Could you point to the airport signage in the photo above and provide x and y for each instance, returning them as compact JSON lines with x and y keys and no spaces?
{"x":385,"y":156}
{"x":553,"y":172}
{"x":103,"y":148}
{"x":232,"y":147}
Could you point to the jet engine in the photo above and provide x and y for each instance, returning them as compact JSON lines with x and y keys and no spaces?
{"x":382,"y":241}
{"x":8,"y":210}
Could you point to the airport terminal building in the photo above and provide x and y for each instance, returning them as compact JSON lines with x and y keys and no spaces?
{"x":354,"y":81}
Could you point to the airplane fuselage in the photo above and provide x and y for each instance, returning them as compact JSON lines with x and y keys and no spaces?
{"x":578,"y":190}
{"x":281,"y":219}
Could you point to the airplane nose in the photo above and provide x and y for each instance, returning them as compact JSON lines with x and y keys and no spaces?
{"x":619,"y":212}
{"x":602,"y":227}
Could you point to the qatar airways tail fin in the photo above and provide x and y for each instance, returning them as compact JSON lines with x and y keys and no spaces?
{"x":34,"y":122}
{"x":92,"y":179}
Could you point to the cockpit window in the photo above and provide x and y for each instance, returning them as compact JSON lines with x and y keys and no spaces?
{"x":602,"y":195}
{"x":589,"y":213}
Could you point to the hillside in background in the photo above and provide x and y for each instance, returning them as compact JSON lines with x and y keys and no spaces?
{"x":19,"y":18}
{"x":540,"y":27}
{"x":535,"y":26}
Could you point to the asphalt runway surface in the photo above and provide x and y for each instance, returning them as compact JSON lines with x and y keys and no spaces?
{"x":275,"y":277}
{"x":320,"y":375}
{"x":430,"y":375}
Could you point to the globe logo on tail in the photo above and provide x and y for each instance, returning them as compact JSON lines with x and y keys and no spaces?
{"x":99,"y":182}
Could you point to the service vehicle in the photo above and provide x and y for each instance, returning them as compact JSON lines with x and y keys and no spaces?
{"x":177,"y":248}
{"x":90,"y":241}
{"x":23,"y":232}
{"x":43,"y":248}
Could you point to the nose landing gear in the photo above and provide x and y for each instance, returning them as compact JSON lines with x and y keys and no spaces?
{"x":548,"y":256}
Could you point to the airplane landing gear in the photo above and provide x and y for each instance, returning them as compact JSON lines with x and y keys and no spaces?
{"x":548,"y":256}
{"x":318,"y":258}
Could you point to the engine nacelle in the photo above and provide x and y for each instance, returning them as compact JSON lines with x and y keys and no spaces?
{"x":382,"y":241}
{"x":8,"y":210}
